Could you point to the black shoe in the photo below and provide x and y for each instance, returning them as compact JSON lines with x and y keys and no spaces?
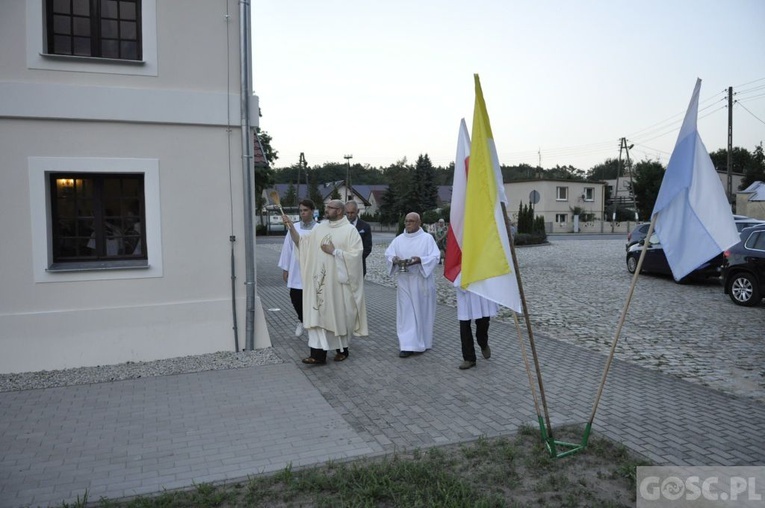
{"x":404,"y":354}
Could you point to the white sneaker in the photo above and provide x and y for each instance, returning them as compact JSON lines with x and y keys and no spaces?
{"x":299,"y":330}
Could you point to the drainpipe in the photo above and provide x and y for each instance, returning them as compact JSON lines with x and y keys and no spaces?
{"x":247,"y":170}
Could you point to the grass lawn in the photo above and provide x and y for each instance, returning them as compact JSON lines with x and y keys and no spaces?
{"x":497,"y":472}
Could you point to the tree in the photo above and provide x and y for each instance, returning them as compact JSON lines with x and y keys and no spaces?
{"x":646,"y":183}
{"x":525,"y":218}
{"x":388,"y":212}
{"x":520,"y":172}
{"x":290,"y":197}
{"x":565,"y":173}
{"x":314,"y":194}
{"x":263,"y":175}
{"x":399,"y":199}
{"x":425,"y":195}
{"x":741,"y":159}
{"x":756,"y":170}
{"x":604,"y":171}
{"x":270,"y":154}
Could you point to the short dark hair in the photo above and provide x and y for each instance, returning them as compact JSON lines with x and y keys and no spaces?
{"x":308,"y":204}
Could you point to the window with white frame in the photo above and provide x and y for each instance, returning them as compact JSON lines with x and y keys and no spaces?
{"x":561,"y":193}
{"x":589,"y":194}
{"x":105,"y":36}
{"x":561,"y":218}
{"x":95,"y":218}
{"x":94,"y":28}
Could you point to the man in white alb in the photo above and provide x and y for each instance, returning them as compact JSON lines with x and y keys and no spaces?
{"x":334,"y":307}
{"x":289,"y":261}
{"x":416,"y":285}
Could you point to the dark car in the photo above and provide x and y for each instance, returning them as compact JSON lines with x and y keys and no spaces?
{"x":743,"y":222}
{"x":743,"y":271}
{"x":656,"y":262}
{"x":636,"y":235}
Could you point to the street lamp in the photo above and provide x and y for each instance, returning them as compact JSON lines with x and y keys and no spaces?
{"x":348,"y":176}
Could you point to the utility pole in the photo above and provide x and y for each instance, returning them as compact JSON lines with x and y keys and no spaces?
{"x":628,"y":167}
{"x":623,"y":147}
{"x":348,"y":176}
{"x":616,"y":187}
{"x":730,"y":145}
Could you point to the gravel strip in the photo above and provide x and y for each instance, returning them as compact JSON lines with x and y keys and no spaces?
{"x":135,"y":370}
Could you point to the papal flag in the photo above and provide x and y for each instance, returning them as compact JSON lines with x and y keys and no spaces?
{"x":694,"y":221}
{"x":486,"y":264}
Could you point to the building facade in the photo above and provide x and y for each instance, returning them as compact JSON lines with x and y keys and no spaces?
{"x":120,"y":135}
{"x":558,"y":201}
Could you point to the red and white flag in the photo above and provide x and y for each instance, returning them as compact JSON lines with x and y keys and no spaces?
{"x":478,"y":255}
{"x":453,"y":259}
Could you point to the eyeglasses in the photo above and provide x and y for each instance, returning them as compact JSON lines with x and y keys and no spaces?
{"x":333,"y":207}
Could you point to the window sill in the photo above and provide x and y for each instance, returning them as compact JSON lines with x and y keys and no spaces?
{"x":92,"y":59}
{"x":90,"y":266}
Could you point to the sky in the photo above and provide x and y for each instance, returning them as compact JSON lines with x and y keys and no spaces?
{"x":563,"y":80}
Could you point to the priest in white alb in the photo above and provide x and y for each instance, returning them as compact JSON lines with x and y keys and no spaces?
{"x":334,"y":307}
{"x":413,"y":256}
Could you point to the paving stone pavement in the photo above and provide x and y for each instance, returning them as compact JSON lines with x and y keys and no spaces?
{"x":144,"y":435}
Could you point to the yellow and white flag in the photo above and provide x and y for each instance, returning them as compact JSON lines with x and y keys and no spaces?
{"x":487,"y":267}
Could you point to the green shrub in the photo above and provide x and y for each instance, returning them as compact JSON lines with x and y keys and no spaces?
{"x":430,"y":217}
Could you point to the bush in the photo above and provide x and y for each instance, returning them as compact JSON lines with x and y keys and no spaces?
{"x":430,"y":217}
{"x":530,"y":239}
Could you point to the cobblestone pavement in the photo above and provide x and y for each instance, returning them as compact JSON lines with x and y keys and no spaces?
{"x":145,"y":435}
{"x":576,"y":290}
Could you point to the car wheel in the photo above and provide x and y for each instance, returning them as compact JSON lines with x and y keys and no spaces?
{"x":743,"y":290}
{"x":632,"y":264}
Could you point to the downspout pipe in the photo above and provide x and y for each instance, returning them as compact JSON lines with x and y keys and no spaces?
{"x":247,"y":169}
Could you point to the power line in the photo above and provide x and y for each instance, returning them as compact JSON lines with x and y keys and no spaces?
{"x":749,"y":83}
{"x":748,"y":99}
{"x":675,"y":120}
{"x":749,"y":112}
{"x":750,"y":90}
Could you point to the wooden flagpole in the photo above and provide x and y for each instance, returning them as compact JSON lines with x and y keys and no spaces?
{"x":526,"y":362}
{"x":548,"y":436}
{"x":619,"y":330}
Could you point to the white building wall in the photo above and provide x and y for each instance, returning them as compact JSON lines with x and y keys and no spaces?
{"x":171,"y":117}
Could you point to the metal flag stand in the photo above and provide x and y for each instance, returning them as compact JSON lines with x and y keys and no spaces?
{"x":559,"y":449}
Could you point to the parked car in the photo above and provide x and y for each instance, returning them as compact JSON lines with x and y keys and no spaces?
{"x":743,"y":272}
{"x":637,"y":234}
{"x":743,"y":222}
{"x":656,"y":262}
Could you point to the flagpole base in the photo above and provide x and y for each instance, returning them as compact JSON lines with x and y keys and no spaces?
{"x":560,"y":449}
